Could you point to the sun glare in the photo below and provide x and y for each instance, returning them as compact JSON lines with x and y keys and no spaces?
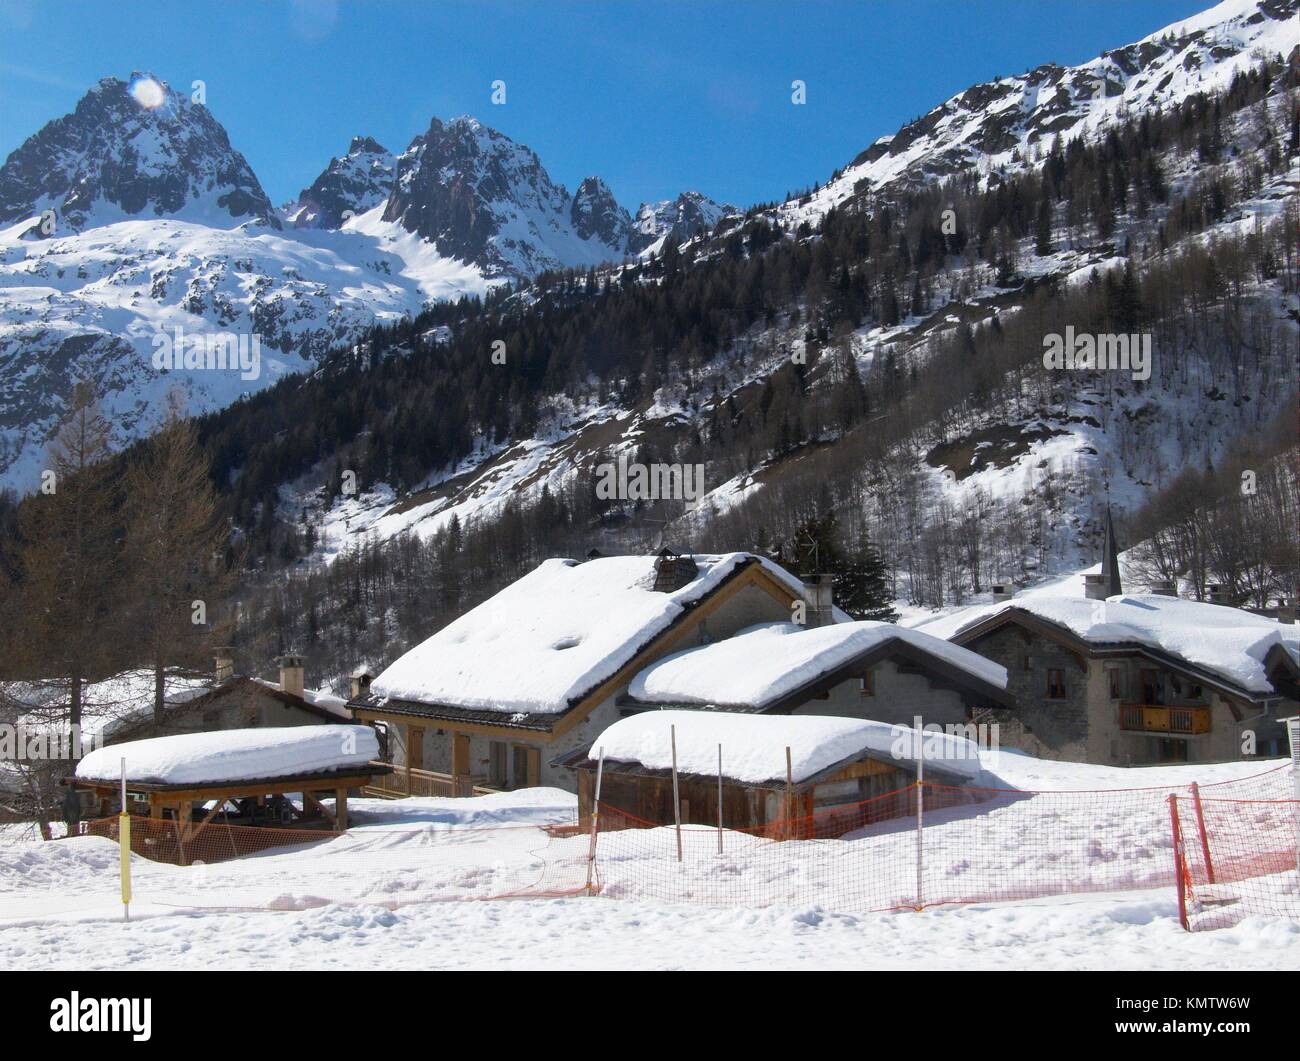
{"x":148,"y":93}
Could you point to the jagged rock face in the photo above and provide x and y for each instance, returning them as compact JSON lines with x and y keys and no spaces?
{"x":597,"y":214}
{"x":357,"y":182}
{"x":132,"y":150}
{"x":485,"y":199}
{"x":690,"y":214}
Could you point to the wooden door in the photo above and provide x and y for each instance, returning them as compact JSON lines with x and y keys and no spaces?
{"x":460,"y":754}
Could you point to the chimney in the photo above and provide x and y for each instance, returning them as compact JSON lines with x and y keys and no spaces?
{"x":361,"y":679}
{"x":225,"y":664}
{"x":291,"y":674}
{"x":1219,"y":594}
{"x":1163,"y":588}
{"x":1286,"y":613}
{"x":673,"y":571}
{"x":1003,"y":591}
{"x":1095,"y":586}
{"x":817,"y":593}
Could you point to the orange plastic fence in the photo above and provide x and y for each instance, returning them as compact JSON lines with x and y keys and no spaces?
{"x":1240,"y":858}
{"x":976,"y":845}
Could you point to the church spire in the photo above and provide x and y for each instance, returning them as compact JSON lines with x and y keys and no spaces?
{"x":1110,"y":558}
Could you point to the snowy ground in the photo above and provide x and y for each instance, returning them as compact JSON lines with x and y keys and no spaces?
{"x":371,"y":899}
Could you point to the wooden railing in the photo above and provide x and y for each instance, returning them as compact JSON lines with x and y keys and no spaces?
{"x":1188,"y":719}
{"x":403,"y":782}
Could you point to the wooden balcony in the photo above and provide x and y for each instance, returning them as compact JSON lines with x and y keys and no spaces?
{"x":1182,"y":719}
{"x":403,"y":782}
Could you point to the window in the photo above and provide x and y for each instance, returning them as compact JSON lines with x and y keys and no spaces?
{"x":867,"y":684}
{"x":1153,"y":687}
{"x":1115,"y":678}
{"x":1055,"y":683}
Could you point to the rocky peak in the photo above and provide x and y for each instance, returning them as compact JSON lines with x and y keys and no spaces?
{"x":130,"y":149}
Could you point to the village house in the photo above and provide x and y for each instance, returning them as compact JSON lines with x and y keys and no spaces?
{"x":498,"y":698}
{"x":1127,"y":679}
{"x":779,"y":776}
{"x":121,"y":707}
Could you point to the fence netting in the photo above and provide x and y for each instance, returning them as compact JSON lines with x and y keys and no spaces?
{"x":1230,"y":847}
{"x":974,"y":845}
{"x":1238,"y":858}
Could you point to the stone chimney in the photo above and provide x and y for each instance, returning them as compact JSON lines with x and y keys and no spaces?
{"x":1219,"y":594}
{"x":361,"y":679}
{"x":1095,"y":586}
{"x":673,"y":571}
{"x":817,"y":593}
{"x":1002,"y":591}
{"x":225,"y":664}
{"x":1163,"y":588}
{"x":291,"y":674}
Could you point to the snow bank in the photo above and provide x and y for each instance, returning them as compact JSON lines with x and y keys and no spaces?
{"x":761,"y":664}
{"x":233,"y":755}
{"x":552,"y":636}
{"x":1228,"y":642}
{"x":753,"y":746}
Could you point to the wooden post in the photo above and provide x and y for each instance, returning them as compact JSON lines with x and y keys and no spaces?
{"x":1200,"y":827}
{"x":124,"y":850}
{"x":406,"y":730}
{"x":919,"y":752}
{"x":595,"y":821}
{"x":1179,"y":861}
{"x":719,"y":799}
{"x":677,"y":804}
{"x":341,"y":809}
{"x":789,"y":795}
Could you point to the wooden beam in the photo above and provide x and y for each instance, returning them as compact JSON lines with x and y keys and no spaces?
{"x":341,"y":809}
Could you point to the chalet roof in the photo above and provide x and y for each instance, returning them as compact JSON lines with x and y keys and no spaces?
{"x":754,"y":746}
{"x":549,"y":639}
{"x":765,"y":664}
{"x":234,"y":755}
{"x":1224,"y":643}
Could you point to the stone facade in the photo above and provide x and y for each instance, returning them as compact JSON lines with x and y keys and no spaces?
{"x":1072,"y":705}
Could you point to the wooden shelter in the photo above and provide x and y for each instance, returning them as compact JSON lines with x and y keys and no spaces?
{"x":182,"y":812}
{"x":848,"y":794}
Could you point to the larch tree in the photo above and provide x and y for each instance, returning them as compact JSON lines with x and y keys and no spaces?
{"x":69,"y":559}
{"x":176,"y":549}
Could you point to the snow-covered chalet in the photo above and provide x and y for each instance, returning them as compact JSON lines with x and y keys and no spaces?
{"x":499,"y":696}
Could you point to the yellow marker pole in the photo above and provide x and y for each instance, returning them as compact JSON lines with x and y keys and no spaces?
{"x":124,"y":849}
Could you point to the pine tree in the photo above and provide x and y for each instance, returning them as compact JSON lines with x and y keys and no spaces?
{"x":862,"y":586}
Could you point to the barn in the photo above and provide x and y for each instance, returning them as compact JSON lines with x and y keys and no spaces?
{"x":785,"y":777}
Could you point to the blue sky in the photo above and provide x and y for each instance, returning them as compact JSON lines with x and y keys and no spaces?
{"x":655,"y":97}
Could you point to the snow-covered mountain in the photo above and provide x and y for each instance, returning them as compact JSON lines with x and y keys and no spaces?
{"x":690,"y":214}
{"x":131,"y":149}
{"x":134,"y":216}
{"x":349,"y":186}
{"x":1013,"y":121}
{"x":483,"y":198}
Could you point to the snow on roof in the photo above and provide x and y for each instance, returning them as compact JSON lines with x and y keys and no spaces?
{"x":1227,"y":642}
{"x":233,"y":755}
{"x":554,"y":635}
{"x":761,"y":664}
{"x":753,"y":746}
{"x":334,"y":705}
